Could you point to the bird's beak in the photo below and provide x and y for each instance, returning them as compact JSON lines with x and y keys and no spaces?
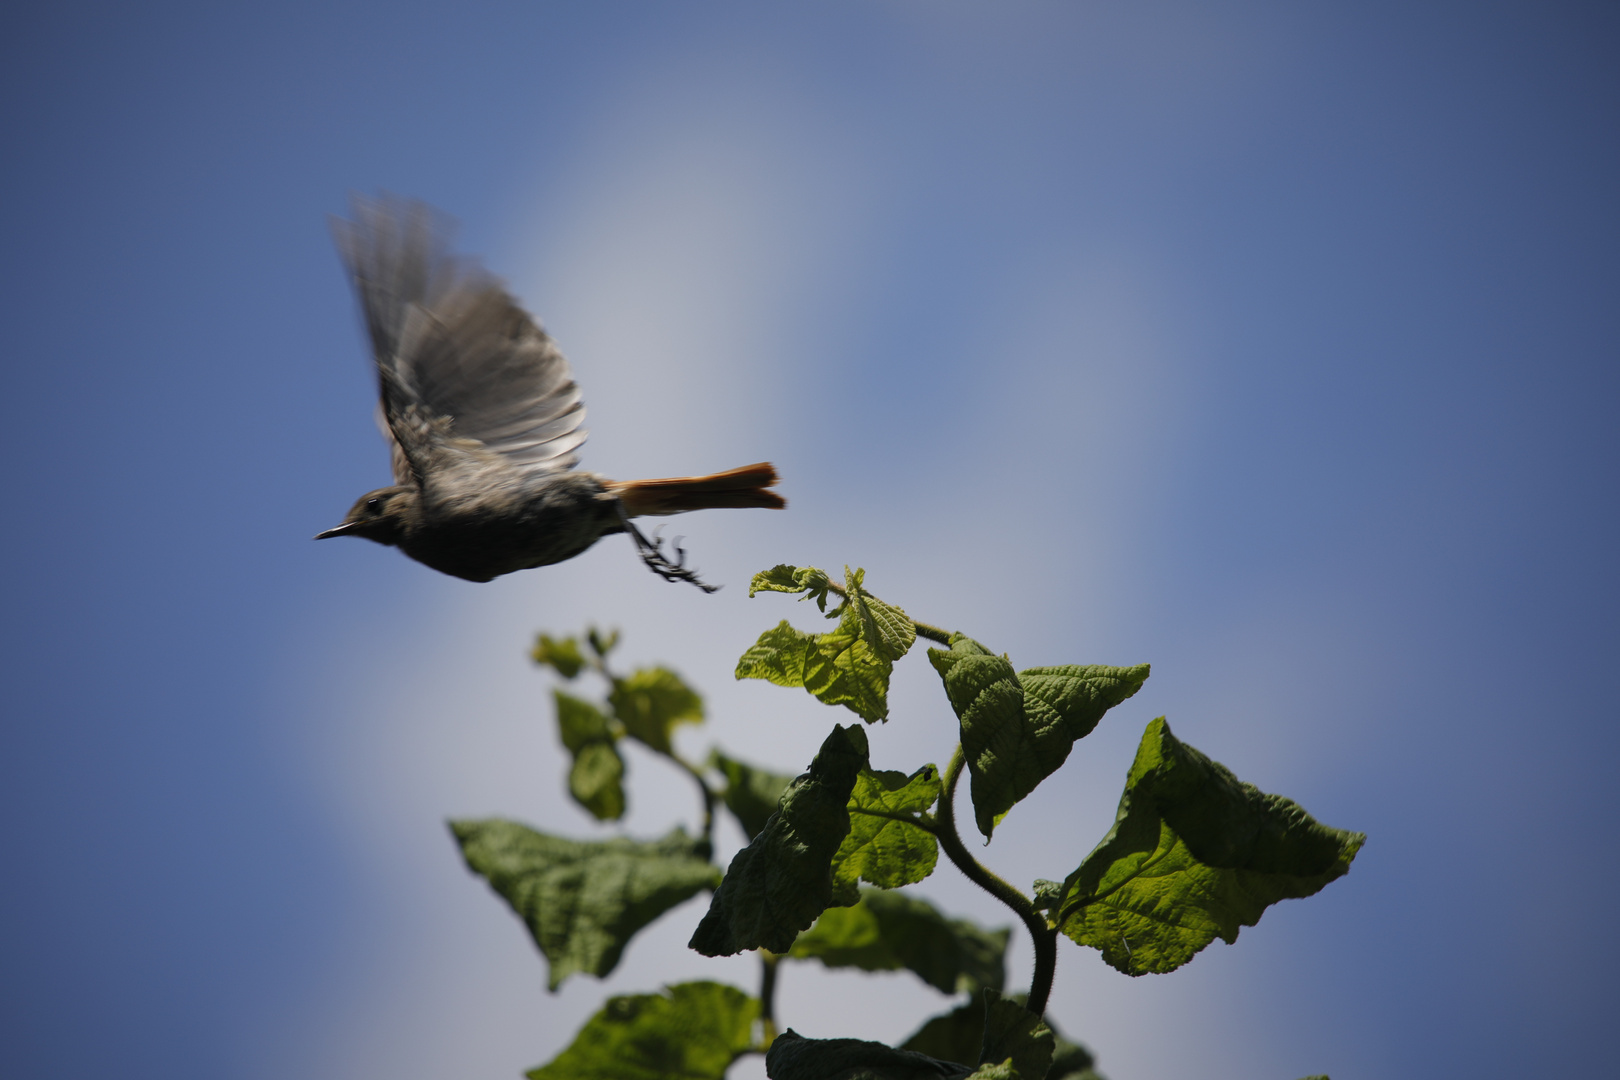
{"x":342,"y":530}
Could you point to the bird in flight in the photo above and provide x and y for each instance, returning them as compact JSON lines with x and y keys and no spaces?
{"x":483,"y":417}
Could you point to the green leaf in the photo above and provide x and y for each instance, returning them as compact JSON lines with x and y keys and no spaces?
{"x":1064,"y":704}
{"x":881,"y":850}
{"x":959,"y":1036}
{"x":1071,"y":1061}
{"x":838,"y":668}
{"x":560,"y":653}
{"x":582,"y":902}
{"x":887,"y":628}
{"x":692,"y":1030}
{"x":887,"y":931}
{"x":751,"y":794}
{"x":792,"y":579}
{"x":849,"y":666}
{"x":596,"y":780}
{"x":649,"y":702}
{"x":953,"y":1036}
{"x":794,"y":1057}
{"x":1018,"y":728}
{"x":1194,"y":854}
{"x":1012,"y":1031}
{"x":778,"y":884}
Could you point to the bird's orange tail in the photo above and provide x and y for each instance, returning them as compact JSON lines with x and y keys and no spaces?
{"x":736,"y":487}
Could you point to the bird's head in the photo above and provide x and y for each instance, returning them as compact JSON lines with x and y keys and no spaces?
{"x":380,"y":515}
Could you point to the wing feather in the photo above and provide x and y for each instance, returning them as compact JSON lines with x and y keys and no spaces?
{"x":457,"y":357}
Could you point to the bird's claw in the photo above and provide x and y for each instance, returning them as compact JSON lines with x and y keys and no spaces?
{"x":652,"y":553}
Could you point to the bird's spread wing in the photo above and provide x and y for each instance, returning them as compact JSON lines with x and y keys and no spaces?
{"x":466,"y":377}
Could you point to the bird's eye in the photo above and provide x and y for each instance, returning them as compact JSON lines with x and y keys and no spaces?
{"x":374,"y":503}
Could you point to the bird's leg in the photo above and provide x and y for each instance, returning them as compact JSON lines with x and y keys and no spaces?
{"x":651,"y":552}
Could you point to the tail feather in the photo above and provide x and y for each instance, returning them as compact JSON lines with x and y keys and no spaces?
{"x":735,"y":488}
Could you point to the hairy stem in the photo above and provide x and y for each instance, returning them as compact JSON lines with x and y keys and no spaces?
{"x":1043,"y":936}
{"x":924,"y":630}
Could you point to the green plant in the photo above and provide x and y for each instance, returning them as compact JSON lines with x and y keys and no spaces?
{"x":1194,"y":854}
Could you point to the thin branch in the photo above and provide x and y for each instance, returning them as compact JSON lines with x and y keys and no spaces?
{"x":709,"y":797}
{"x":1044,"y":937}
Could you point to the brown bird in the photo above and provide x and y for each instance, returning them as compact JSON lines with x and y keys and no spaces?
{"x":483,"y":418}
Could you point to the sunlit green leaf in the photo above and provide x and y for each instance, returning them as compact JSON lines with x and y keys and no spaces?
{"x":1194,"y":854}
{"x":1018,"y":727}
{"x":880,"y":849}
{"x":693,"y":1031}
{"x":560,"y":653}
{"x":887,"y":931}
{"x":887,"y":628}
{"x":596,"y":780}
{"x":778,"y":884}
{"x":649,"y":702}
{"x":849,"y":666}
{"x":793,"y":1057}
{"x":582,"y":902}
{"x":751,"y":794}
{"x":1012,"y":1031}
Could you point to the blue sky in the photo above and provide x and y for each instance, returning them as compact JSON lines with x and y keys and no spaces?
{"x":1273,"y":344}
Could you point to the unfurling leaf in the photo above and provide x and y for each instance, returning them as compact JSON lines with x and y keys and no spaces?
{"x":794,"y":1057}
{"x":792,"y":579}
{"x":887,"y":931}
{"x":849,"y":666}
{"x":582,"y":902}
{"x":881,"y":848}
{"x":649,"y":702}
{"x":596,"y":780}
{"x":751,"y":794}
{"x":1018,"y":727}
{"x":1012,"y":1031}
{"x":1194,"y":854}
{"x":561,"y":654}
{"x":779,"y":883}
{"x":692,"y":1030}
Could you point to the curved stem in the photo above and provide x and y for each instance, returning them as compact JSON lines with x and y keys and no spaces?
{"x":709,"y":797}
{"x":1043,"y":936}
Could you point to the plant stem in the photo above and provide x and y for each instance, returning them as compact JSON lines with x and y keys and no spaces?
{"x":924,"y":630}
{"x":599,"y":665}
{"x":767,"y":998}
{"x":1043,"y":936}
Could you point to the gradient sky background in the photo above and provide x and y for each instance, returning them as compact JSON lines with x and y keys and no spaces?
{"x":1272,"y":343}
